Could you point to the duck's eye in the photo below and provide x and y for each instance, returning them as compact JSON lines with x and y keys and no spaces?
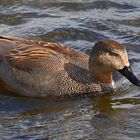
{"x":113,"y":53}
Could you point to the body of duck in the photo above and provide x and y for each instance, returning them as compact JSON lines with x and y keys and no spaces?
{"x":47,"y":69}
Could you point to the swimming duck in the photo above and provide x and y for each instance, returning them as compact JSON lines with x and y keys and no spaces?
{"x":47,"y":69}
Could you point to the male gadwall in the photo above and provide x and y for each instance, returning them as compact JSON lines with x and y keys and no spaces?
{"x":47,"y":69}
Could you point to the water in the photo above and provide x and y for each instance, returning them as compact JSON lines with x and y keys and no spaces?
{"x":77,"y":24}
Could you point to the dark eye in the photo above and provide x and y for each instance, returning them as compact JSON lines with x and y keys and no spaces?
{"x":113,"y":53}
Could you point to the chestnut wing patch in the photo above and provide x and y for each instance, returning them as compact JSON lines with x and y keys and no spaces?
{"x":27,"y":57}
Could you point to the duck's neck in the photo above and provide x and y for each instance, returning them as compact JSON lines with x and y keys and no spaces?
{"x":98,"y":76}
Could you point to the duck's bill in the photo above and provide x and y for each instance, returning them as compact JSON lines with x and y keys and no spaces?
{"x":127,"y":72}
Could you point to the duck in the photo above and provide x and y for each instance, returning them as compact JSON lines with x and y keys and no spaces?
{"x":48,"y":69}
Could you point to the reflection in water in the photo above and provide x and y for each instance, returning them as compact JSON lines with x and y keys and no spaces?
{"x":77,"y":24}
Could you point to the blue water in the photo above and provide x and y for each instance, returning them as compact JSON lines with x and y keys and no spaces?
{"x":77,"y":24}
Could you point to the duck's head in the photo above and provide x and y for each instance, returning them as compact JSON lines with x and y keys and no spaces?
{"x":108,"y":56}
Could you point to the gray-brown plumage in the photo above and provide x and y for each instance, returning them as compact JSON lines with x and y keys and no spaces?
{"x":47,"y":69}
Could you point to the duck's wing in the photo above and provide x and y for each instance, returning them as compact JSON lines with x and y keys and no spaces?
{"x":27,"y":54}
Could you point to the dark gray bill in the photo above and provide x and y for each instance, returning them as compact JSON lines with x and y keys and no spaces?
{"x":127,"y":72}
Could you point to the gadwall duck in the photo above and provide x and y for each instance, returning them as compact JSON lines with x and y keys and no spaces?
{"x":47,"y":69}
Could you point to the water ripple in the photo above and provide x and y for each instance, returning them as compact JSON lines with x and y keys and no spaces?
{"x":77,"y":24}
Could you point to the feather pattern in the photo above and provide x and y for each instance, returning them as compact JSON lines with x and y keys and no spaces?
{"x":46,"y":69}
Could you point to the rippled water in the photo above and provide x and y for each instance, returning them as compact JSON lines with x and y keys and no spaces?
{"x":77,"y":24}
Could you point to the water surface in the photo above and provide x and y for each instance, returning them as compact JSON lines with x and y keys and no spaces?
{"x":77,"y":24}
